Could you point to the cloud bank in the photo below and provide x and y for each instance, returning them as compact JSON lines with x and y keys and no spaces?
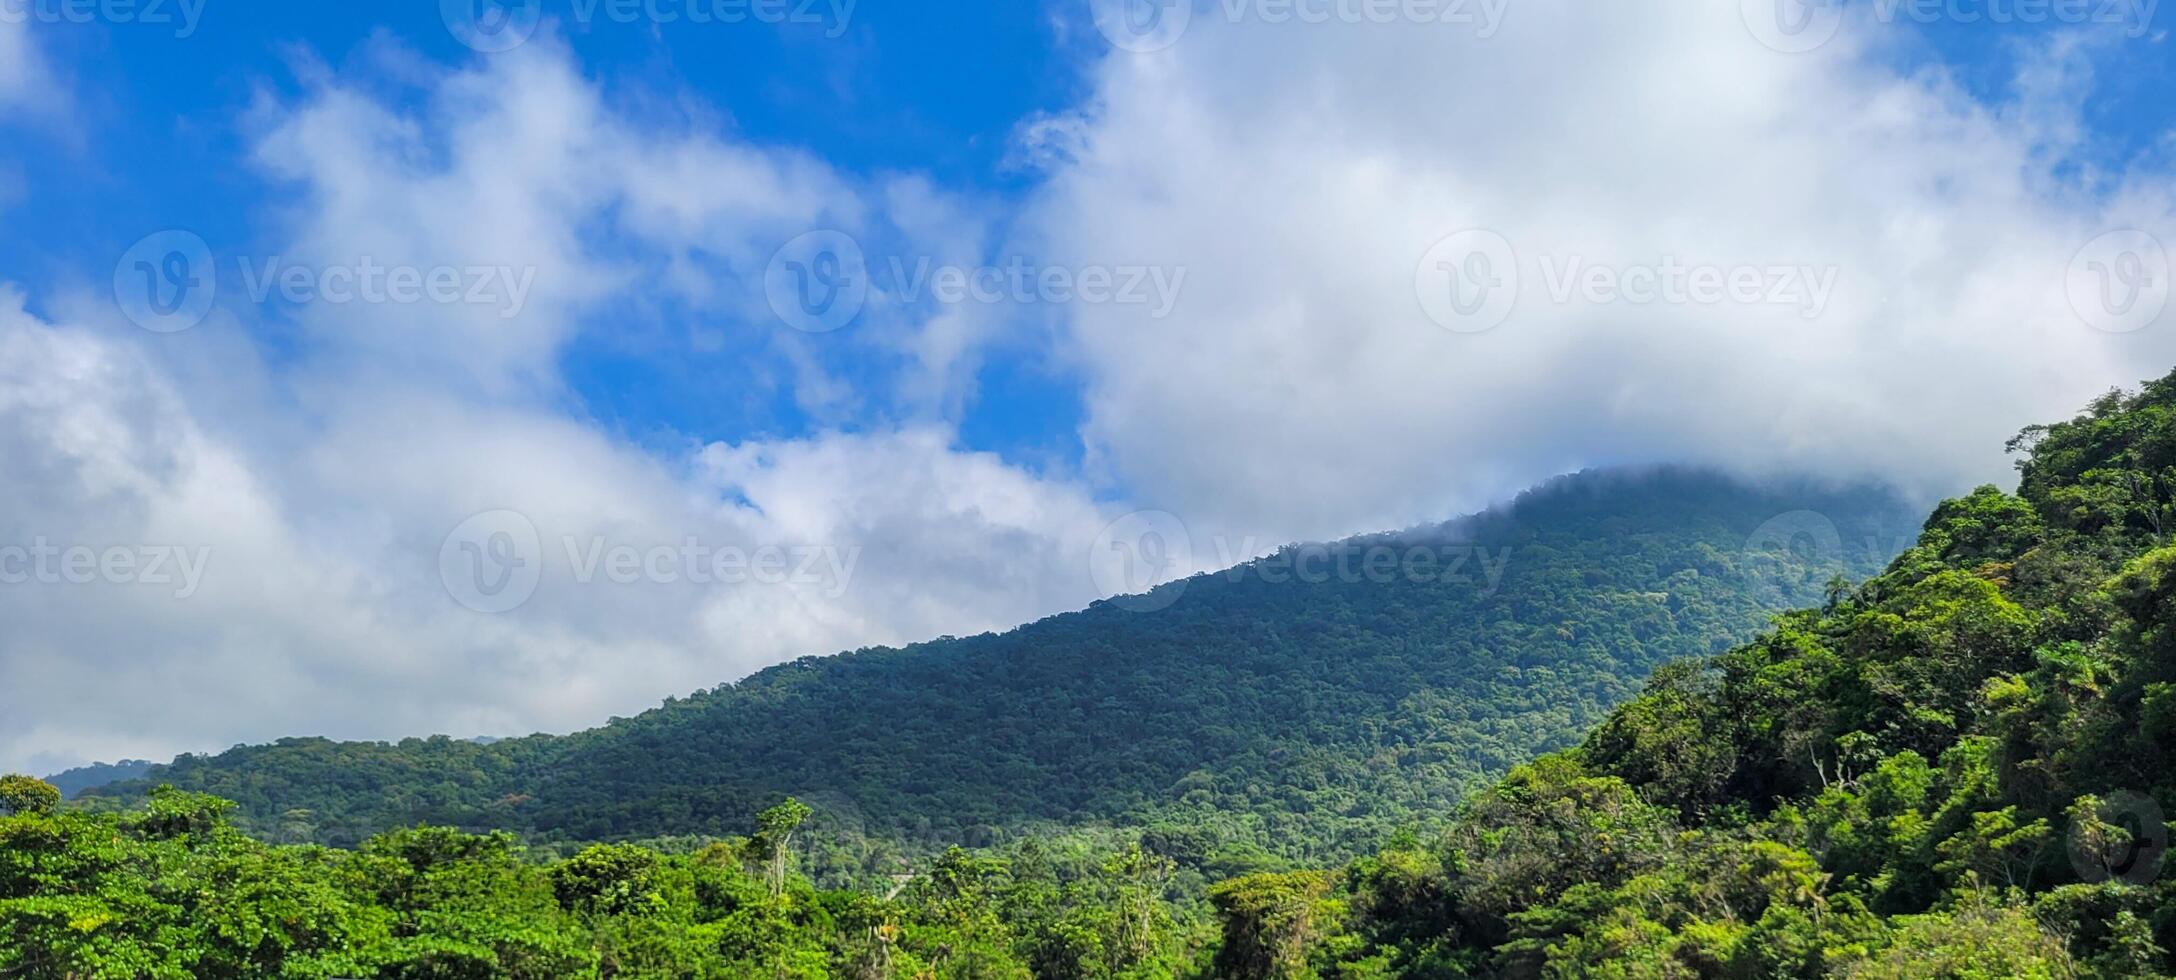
{"x":319,"y":459}
{"x":1911,"y":257}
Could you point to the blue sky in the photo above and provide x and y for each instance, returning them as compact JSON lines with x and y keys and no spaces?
{"x":1239,"y":279}
{"x":159,"y":138}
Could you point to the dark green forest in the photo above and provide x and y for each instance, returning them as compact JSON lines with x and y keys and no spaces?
{"x":1305,"y":705}
{"x":1953,"y":768}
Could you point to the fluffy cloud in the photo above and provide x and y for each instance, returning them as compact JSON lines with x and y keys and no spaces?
{"x":304,"y":588}
{"x":217,"y":539}
{"x":516,"y":170}
{"x":1299,"y":173}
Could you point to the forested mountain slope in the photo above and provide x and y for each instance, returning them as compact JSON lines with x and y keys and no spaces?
{"x":1314,"y":714}
{"x":1958,"y":768}
{"x":1961,"y":768}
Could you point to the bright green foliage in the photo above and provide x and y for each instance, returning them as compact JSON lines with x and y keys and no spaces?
{"x":771,"y":844}
{"x":1958,"y":769}
{"x":173,"y":892}
{"x":609,"y":879}
{"x":22,"y":794}
{"x":1969,"y":943}
{"x":87,"y":896}
{"x":1270,"y":922}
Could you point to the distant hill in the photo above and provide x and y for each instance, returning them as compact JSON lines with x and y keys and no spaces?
{"x":75,"y":781}
{"x":1318,"y":698}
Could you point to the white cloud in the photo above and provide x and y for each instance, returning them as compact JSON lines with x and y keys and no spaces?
{"x":320,"y":484}
{"x":1300,"y":172}
{"x":321,"y":607}
{"x":517,"y":165}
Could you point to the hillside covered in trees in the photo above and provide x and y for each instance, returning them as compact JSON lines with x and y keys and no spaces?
{"x":1958,"y":769}
{"x":1953,"y":769}
{"x":1307,"y":703}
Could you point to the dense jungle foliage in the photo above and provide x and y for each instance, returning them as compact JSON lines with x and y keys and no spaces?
{"x":1956,"y":768}
{"x":1304,"y":706}
{"x":174,"y":892}
{"x":1960,"y":768}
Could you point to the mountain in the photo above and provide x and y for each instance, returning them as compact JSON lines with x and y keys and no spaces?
{"x":1956,"y":768}
{"x":1960,"y":768}
{"x":75,"y":782}
{"x":1312,"y":700}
